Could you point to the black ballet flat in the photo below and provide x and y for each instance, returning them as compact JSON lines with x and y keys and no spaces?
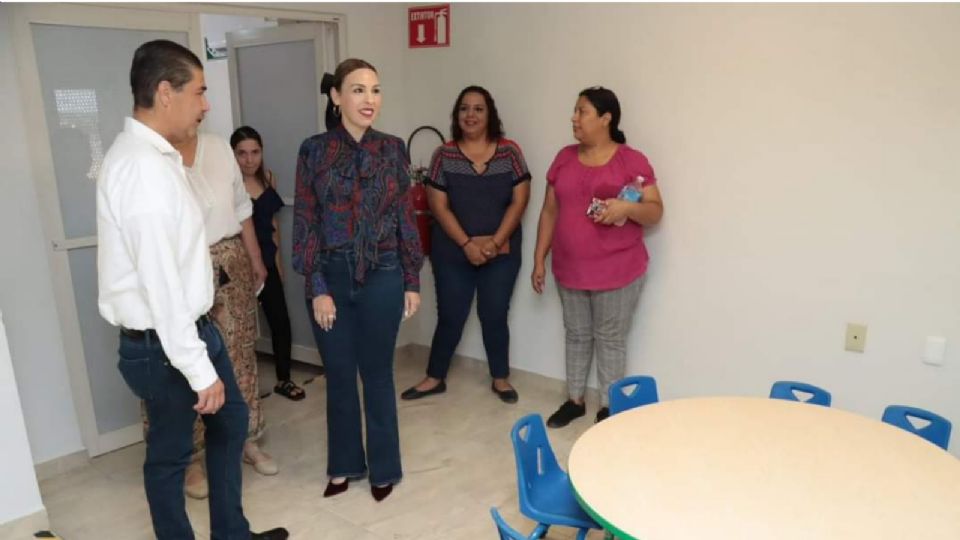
{"x":381,"y":492}
{"x":413,"y":393}
{"x":336,"y":489}
{"x":506,"y":396}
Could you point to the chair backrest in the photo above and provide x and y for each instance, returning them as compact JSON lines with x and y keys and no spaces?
{"x":644,"y":392}
{"x":506,"y":531}
{"x":789,"y":390}
{"x":534,"y":456}
{"x":936,"y":431}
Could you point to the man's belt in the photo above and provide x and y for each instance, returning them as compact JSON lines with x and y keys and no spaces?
{"x":140,"y":335}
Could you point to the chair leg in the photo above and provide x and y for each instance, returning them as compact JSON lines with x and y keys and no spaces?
{"x":539,"y":532}
{"x":582,"y":534}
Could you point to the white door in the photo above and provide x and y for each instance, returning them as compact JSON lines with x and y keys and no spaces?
{"x":275,"y":78}
{"x":76,"y":64}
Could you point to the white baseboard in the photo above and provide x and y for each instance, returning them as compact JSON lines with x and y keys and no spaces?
{"x":23,"y":528}
{"x":120,"y":438}
{"x":300,"y":353}
{"x":419,"y":352}
{"x":60,"y":465}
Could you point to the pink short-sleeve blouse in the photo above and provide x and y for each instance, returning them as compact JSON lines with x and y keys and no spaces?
{"x":587,"y":255}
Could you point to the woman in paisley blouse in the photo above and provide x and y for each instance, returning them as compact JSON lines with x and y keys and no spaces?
{"x":355,"y":242}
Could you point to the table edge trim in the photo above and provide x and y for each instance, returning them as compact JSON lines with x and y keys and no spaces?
{"x":607,"y":526}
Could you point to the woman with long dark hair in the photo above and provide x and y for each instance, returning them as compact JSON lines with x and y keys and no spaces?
{"x":479,"y":188}
{"x":261,"y":185}
{"x":601,"y":193}
{"x":355,"y":242}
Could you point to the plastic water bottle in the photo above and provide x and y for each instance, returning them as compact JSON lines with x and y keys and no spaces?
{"x":632,"y":192}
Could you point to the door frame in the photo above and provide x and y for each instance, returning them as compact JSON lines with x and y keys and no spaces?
{"x":262,"y":36}
{"x":269,"y":36}
{"x":162,"y":17}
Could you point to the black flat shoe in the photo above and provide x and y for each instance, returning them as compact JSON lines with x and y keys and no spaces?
{"x":273,"y":534}
{"x":413,"y":393}
{"x":602,"y":414}
{"x":336,"y":489}
{"x":506,"y":396}
{"x":567,"y":412}
{"x":381,"y":492}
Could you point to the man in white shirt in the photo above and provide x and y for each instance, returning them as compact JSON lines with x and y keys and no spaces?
{"x":156,"y":283}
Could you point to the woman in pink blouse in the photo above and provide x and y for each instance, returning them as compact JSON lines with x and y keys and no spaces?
{"x":591,"y":221}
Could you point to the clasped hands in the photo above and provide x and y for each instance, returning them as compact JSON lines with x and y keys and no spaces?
{"x":480,"y":251}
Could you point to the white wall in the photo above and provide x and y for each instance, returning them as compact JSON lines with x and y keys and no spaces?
{"x":26,"y":294}
{"x":19,"y":493}
{"x":807,"y":159}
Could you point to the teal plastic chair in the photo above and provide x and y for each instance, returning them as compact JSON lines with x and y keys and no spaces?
{"x":546,"y":495}
{"x":788,"y":390}
{"x":644,"y":392}
{"x":506,"y":531}
{"x":937,"y":431}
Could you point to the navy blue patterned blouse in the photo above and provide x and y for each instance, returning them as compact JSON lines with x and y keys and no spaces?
{"x":354,"y":196}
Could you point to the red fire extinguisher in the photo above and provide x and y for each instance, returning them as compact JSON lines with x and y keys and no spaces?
{"x":419,"y":192}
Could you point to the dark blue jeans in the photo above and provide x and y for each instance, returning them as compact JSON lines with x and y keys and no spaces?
{"x":169,"y":404}
{"x":363,"y":340}
{"x":457,"y":282}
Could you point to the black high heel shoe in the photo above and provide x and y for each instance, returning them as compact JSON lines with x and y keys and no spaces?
{"x":380,"y":492}
{"x":336,"y":489}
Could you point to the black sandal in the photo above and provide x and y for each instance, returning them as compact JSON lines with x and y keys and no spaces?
{"x":289,"y":390}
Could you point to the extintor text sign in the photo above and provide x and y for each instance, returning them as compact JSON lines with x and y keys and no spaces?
{"x":429,"y":26}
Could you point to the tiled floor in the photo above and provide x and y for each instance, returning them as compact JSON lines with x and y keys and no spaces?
{"x":457,"y":458}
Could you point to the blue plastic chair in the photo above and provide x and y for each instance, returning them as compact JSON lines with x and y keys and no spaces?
{"x":546,"y":495}
{"x":644,"y":393}
{"x":506,"y":531}
{"x":788,"y":390}
{"x":937,"y":431}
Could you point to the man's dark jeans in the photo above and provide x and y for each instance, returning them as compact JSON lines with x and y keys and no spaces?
{"x":169,"y":403}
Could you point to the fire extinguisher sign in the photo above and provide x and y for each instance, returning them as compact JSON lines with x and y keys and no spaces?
{"x":429,"y":26}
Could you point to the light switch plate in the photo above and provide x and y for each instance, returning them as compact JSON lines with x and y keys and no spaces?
{"x":856,"y":337}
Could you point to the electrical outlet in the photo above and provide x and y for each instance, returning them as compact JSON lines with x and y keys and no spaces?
{"x":856,"y":337}
{"x":933,"y":352}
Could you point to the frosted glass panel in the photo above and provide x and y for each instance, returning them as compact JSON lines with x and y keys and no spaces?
{"x":85,"y":80}
{"x":113,"y":404}
{"x":278,"y":98}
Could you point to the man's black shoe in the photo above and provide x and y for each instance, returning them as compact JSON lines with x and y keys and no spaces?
{"x":567,"y":412}
{"x":603,"y":414}
{"x":273,"y":534}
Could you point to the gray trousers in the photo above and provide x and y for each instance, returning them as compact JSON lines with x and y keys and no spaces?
{"x":598,"y":319}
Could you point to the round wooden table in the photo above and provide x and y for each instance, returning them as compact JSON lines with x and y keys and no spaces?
{"x":763,"y":469}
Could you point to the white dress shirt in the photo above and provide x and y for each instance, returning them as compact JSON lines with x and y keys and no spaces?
{"x":218,"y":185}
{"x":153,"y":261}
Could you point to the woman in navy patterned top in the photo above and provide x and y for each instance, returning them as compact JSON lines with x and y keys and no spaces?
{"x":479,"y":188}
{"x":355,"y":242}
